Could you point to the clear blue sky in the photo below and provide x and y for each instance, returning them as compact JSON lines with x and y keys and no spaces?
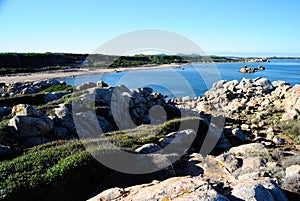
{"x":217,"y":26}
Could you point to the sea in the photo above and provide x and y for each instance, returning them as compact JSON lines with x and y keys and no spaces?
{"x":193,"y":79}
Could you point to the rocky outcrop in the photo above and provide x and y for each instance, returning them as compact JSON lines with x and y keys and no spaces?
{"x":19,"y":88}
{"x":249,"y":95}
{"x":251,"y":159}
{"x":292,"y":178}
{"x":30,"y":125}
{"x":126,"y":108}
{"x":246,"y":69}
{"x":195,"y":188}
{"x":178,"y":188}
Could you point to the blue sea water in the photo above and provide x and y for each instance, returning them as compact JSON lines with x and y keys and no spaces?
{"x":194,"y":79}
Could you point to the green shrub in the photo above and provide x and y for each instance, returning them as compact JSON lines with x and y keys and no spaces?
{"x":55,"y":171}
{"x":57,"y":88}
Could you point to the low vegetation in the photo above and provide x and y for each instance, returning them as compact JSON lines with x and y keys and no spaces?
{"x":35,"y":62}
{"x":64,"y":170}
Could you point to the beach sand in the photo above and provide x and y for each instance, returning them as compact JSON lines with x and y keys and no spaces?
{"x":32,"y":77}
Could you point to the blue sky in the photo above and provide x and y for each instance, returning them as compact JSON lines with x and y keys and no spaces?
{"x":227,"y":27}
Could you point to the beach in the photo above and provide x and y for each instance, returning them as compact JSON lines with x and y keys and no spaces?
{"x":32,"y":77}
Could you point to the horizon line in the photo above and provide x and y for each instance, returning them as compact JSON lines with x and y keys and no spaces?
{"x":219,"y":54}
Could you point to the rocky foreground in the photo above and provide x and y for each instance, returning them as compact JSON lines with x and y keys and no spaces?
{"x":256,"y":156}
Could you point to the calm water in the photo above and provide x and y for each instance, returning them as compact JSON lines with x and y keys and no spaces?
{"x":194,"y":80}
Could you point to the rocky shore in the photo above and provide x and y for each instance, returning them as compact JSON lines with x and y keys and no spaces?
{"x":256,"y":156}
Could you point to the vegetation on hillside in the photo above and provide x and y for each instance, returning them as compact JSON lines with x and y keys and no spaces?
{"x":36,"y":62}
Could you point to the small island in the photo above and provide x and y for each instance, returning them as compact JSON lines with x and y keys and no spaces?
{"x":246,"y":69}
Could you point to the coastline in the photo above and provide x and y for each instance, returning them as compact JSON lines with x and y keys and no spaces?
{"x":33,"y":77}
{"x":56,"y":74}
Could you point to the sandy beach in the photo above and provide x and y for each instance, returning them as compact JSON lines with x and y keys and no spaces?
{"x":32,"y":77}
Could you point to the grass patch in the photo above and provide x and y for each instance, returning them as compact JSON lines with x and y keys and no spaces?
{"x":291,"y":129}
{"x":55,"y":171}
{"x":64,"y":170}
{"x":144,"y":134}
{"x":57,"y":88}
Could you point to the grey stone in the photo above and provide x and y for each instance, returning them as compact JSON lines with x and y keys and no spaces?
{"x":292,"y":178}
{"x":145,"y":91}
{"x":264,"y":83}
{"x":239,"y":134}
{"x":279,"y":83}
{"x":279,"y":141}
{"x":290,"y":114}
{"x":177,"y":189}
{"x":257,"y":191}
{"x":26,"y":126}
{"x":86,"y":85}
{"x":101,"y":84}
{"x":148,"y":148}
{"x":50,"y":97}
{"x":28,"y":90}
{"x":65,"y":117}
{"x":34,"y":141}
{"x":256,"y":149}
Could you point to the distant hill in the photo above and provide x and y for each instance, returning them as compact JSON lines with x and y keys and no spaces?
{"x":34,"y":62}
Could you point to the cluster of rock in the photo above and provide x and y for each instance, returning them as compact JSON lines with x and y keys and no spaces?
{"x":257,"y":170}
{"x":245,"y":172}
{"x":247,"y":162}
{"x":246,"y":69}
{"x":257,"y":60}
{"x":19,"y":88}
{"x":93,"y":105}
{"x":123,"y":107}
{"x":247,"y":96}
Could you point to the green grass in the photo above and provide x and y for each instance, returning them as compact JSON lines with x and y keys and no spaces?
{"x":144,"y":134}
{"x":55,"y":171}
{"x":57,"y":88}
{"x":64,"y":170}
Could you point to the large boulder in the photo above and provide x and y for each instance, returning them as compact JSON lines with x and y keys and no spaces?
{"x":86,"y":85}
{"x":179,"y":141}
{"x":27,"y":126}
{"x":148,"y":148}
{"x":52,"y":96}
{"x":264,"y":83}
{"x":28,"y":122}
{"x":177,"y":188}
{"x":292,"y":178}
{"x":256,"y":149}
{"x":64,"y":117}
{"x":260,"y":190}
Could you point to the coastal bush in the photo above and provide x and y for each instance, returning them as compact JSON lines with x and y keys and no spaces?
{"x":291,"y":129}
{"x":56,"y":171}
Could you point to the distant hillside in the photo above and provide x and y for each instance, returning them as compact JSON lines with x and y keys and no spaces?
{"x":35,"y":62}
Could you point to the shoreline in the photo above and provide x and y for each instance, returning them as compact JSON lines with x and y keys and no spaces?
{"x":57,"y":74}
{"x":33,"y":77}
